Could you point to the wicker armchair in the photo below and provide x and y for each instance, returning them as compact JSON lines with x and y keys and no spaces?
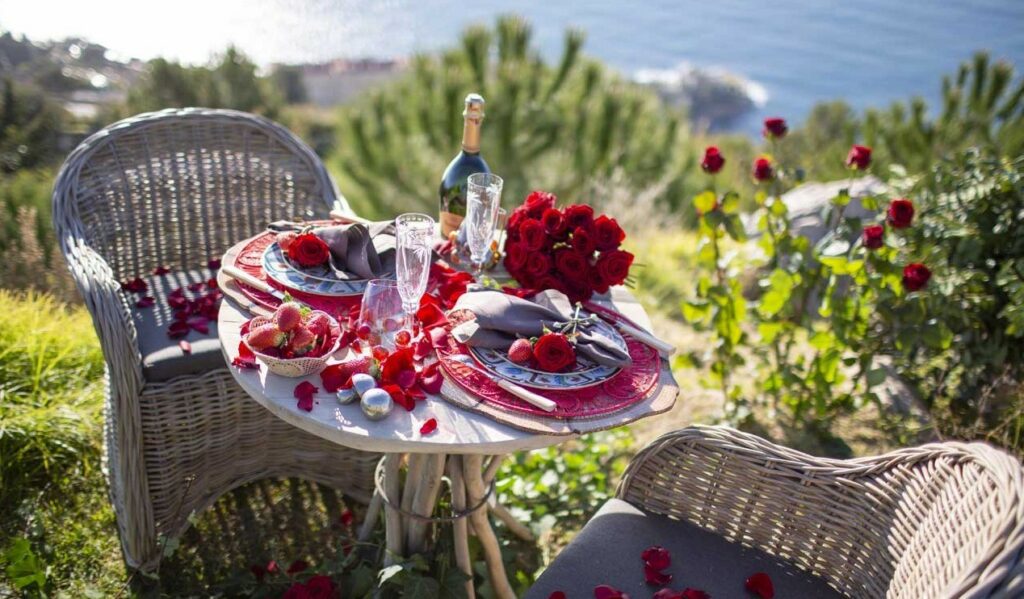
{"x":175,"y":189}
{"x":940,"y":520}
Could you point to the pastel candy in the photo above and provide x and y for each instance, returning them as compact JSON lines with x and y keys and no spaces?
{"x":362,"y":383}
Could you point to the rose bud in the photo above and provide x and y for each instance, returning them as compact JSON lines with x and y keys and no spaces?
{"x":775,"y":128}
{"x":900,"y":213}
{"x":763,"y":169}
{"x":859,"y":157}
{"x":713,"y":160}
{"x":915,"y":276}
{"x":873,"y":237}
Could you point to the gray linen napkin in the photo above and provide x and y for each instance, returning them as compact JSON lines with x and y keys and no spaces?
{"x":358,"y":251}
{"x":501,"y":318}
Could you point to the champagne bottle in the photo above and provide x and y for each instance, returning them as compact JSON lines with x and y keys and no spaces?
{"x":467,"y":162}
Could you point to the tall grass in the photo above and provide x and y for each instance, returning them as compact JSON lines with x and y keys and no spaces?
{"x":51,"y":372}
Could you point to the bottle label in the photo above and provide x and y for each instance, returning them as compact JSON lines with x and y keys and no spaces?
{"x":450,"y":222}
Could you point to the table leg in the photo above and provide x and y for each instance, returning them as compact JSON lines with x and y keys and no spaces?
{"x":473,"y":474}
{"x":414,"y":466}
{"x":460,"y":527}
{"x":392,"y":517}
{"x":372,"y":513}
{"x":427,"y":486}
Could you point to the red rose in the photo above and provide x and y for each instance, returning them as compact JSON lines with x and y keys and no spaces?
{"x":900,"y":213}
{"x":579,"y":216}
{"x":763,"y":169}
{"x":613,"y":266}
{"x":554,"y":223}
{"x":859,"y":157}
{"x":515,"y":257}
{"x":539,"y":201}
{"x":775,"y":128}
{"x":320,"y":586}
{"x":915,"y":276}
{"x":553,"y":352}
{"x":873,"y":237}
{"x":308,"y":250}
{"x":713,"y":160}
{"x":538,"y":265}
{"x":514,"y":220}
{"x":595,"y":281}
{"x":532,"y":234}
{"x":576,"y":289}
{"x":571,"y":264}
{"x":583,"y":242}
{"x":609,"y":235}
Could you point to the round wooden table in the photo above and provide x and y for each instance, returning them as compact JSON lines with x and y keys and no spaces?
{"x":467,"y":446}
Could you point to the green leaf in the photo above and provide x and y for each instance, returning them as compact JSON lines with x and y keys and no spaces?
{"x":23,"y":567}
{"x":842,"y":198}
{"x":734,"y":228}
{"x":360,"y":581}
{"x":769,"y":331}
{"x":453,"y":585}
{"x":420,"y":587}
{"x":731,"y":202}
{"x":875,"y":376}
{"x":704,"y":202}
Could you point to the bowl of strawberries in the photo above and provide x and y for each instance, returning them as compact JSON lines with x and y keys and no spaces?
{"x":295,"y":341}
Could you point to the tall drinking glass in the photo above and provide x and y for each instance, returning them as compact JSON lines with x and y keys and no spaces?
{"x":415,"y":234}
{"x":483,"y":200}
{"x":382,"y":312}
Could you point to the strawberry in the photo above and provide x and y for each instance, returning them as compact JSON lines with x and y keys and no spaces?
{"x":288,"y":316}
{"x":319,"y":323}
{"x":302,"y":341}
{"x":356,"y":365}
{"x":285,"y":239}
{"x":266,"y":336}
{"x":520,"y":351}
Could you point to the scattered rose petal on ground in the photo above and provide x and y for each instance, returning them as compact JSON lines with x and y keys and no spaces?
{"x":656,"y":577}
{"x":656,"y":557}
{"x":298,"y":565}
{"x":185,"y":346}
{"x":429,"y":426}
{"x":761,"y":585}
{"x":258,"y":572}
{"x":304,"y":392}
{"x":604,"y":591}
{"x":145,"y":302}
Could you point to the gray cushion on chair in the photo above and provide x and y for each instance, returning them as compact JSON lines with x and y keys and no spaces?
{"x":607,"y":551}
{"x":162,"y":358}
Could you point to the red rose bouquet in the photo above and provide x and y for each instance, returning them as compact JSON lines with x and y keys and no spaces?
{"x":570,"y":249}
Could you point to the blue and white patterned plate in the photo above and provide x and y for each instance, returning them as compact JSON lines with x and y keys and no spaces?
{"x":317,"y":280}
{"x":586,"y":373}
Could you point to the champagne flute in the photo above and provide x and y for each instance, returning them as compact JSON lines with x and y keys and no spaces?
{"x":414,"y":234}
{"x":483,"y":200}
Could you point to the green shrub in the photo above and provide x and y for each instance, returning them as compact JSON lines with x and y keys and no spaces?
{"x":561,"y":128}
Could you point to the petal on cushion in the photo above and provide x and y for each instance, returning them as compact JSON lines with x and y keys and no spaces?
{"x":761,"y":585}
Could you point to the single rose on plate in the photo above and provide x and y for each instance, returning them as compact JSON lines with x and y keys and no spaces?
{"x":553,"y":352}
{"x":308,"y":250}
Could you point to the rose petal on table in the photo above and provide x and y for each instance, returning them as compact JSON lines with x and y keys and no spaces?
{"x":431,"y":379}
{"x":304,"y":392}
{"x":400,"y":397}
{"x":429,"y":426}
{"x":245,"y":358}
{"x":430,"y":316}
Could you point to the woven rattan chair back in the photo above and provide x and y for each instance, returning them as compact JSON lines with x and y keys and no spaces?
{"x":941,"y":520}
{"x":177,"y":187}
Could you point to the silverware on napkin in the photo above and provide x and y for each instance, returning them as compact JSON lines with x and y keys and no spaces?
{"x":251,"y":281}
{"x":524,"y":394}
